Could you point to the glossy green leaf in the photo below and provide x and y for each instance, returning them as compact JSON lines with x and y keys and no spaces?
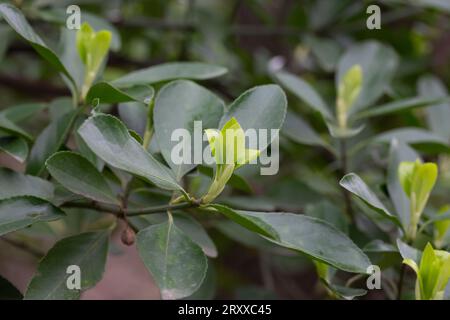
{"x":134,"y":115}
{"x":49,"y":141}
{"x":354,"y":184}
{"x":189,"y":102}
{"x":110,"y":140}
{"x":13,"y":184}
{"x":80,"y":176}
{"x":408,"y":252}
{"x":378,"y":62}
{"x":176,"y":262}
{"x":20,"y":212}
{"x":261,"y":107}
{"x":17,"y":21}
{"x":88,"y":251}
{"x":305,"y":92}
{"x":399,"y":106}
{"x":170,"y":71}
{"x":15,"y":147}
{"x":107,"y":93}
{"x":309,"y":235}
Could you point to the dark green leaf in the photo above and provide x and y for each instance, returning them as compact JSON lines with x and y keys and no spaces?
{"x":134,"y":115}
{"x":170,"y":71}
{"x":15,"y":147}
{"x":107,"y":93}
{"x":308,"y":235}
{"x":13,"y":184}
{"x":17,"y":21}
{"x":22,"y":111}
{"x":79,"y":175}
{"x":49,"y":141}
{"x":108,"y":137}
{"x":21,"y":212}
{"x":408,"y":252}
{"x":11,"y":128}
{"x":189,"y":102}
{"x":88,"y":251}
{"x":177,"y":264}
{"x":354,"y":184}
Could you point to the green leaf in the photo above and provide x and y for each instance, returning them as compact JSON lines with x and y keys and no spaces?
{"x":49,"y":141}
{"x":11,"y":128}
{"x":378,"y":62}
{"x":298,"y":130}
{"x":79,"y":175}
{"x":305,"y":92}
{"x":8,"y":291}
{"x":417,"y":137}
{"x":261,"y":107}
{"x":107,"y":93}
{"x":177,"y":263}
{"x":170,"y":71}
{"x":23,"y":111}
{"x":432,"y":87}
{"x":327,"y":51}
{"x":354,"y":184}
{"x":134,"y":115}
{"x":15,"y":147}
{"x":399,"y":106}
{"x":13,"y":184}
{"x":20,"y":212}
{"x":309,"y":235}
{"x":197,"y":233}
{"x":110,"y":140}
{"x":408,"y":252}
{"x":17,"y":21}
{"x":189,"y":102}
{"x":88,"y":251}
{"x":399,"y":152}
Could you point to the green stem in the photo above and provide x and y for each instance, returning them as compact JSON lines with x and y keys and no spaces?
{"x":148,"y":134}
{"x":344,"y":169}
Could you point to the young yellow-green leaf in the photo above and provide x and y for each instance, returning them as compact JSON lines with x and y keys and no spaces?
{"x":261,"y":107}
{"x":189,"y":102}
{"x":20,"y":212}
{"x":170,"y":71}
{"x":378,"y":63}
{"x":433,"y":273}
{"x":405,"y":174}
{"x":177,"y":263}
{"x":348,"y":91}
{"x":14,"y":184}
{"x":309,"y":235}
{"x":15,"y":147}
{"x":17,"y":21}
{"x":88,"y":251}
{"x":110,"y":140}
{"x":354,"y":184}
{"x":79,"y":175}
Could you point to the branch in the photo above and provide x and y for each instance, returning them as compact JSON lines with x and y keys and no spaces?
{"x":117,"y":211}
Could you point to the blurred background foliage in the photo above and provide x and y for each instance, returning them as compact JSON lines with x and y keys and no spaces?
{"x":254,"y":39}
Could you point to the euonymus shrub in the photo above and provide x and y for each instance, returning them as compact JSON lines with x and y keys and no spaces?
{"x":91,"y":166}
